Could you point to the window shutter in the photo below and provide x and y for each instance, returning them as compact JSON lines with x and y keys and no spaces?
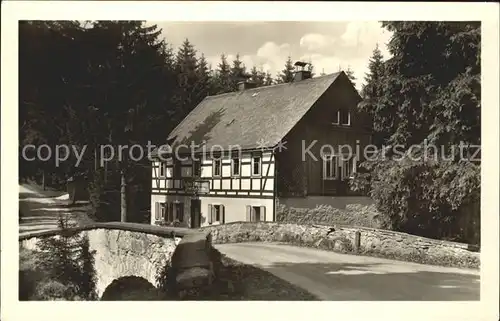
{"x":222,"y":214}
{"x":249,"y":213}
{"x":252,"y":215}
{"x":209,"y":214}
{"x":157,"y":211}
{"x":263,"y":213}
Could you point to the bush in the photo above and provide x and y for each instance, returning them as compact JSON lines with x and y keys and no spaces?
{"x":55,"y":290}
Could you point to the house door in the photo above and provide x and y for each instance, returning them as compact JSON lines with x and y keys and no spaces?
{"x":195,"y":213}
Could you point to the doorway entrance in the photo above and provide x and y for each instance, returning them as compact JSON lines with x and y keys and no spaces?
{"x":195,"y":213}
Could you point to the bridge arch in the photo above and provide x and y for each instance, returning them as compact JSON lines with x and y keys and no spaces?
{"x":131,"y":288}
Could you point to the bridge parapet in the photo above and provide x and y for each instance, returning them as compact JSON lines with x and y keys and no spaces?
{"x":142,"y":250}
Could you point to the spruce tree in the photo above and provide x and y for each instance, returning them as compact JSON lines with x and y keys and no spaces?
{"x":238,"y":72}
{"x":268,"y":79}
{"x":350,"y":74}
{"x":257,"y":76}
{"x":222,"y":77}
{"x":203,"y":71}
{"x":371,"y":91}
{"x":286,"y":75}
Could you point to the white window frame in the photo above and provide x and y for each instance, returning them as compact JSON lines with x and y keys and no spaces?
{"x":345,"y":172}
{"x":332,"y":161}
{"x":337,"y":122}
{"x":232,"y":167}
{"x":348,"y":119}
{"x":253,"y":165}
{"x":212,"y":219}
{"x":214,"y":165}
{"x":251,"y":213}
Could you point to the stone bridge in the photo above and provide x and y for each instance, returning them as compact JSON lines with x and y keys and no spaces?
{"x":140,"y":250}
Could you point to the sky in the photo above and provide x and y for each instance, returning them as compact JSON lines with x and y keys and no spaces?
{"x":266,"y":45}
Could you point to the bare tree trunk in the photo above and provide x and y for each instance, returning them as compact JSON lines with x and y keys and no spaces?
{"x":105,"y":173}
{"x":123,"y":195}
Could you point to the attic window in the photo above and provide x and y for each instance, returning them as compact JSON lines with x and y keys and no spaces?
{"x":341,"y":117}
{"x":345,"y":118}
{"x":336,"y":117}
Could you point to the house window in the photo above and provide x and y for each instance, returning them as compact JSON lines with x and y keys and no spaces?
{"x":256,"y":213}
{"x":179,"y":212}
{"x":170,"y":212}
{"x":163,"y":169}
{"x":163,"y":211}
{"x":217,"y":167}
{"x":336,"y":117}
{"x":235,"y":166}
{"x":342,"y":117}
{"x":256,"y":165}
{"x":216,"y":214}
{"x":345,"y":118}
{"x":197,"y":168}
{"x":348,"y":167}
{"x":330,"y":167}
{"x":335,"y":167}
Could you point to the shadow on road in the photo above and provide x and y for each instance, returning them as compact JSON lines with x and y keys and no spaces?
{"x":374,"y":282}
{"x":38,"y":212}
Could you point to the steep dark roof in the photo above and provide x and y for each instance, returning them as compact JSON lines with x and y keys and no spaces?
{"x":251,"y":117}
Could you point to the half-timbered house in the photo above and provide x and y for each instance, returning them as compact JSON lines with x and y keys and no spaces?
{"x":236,"y":155}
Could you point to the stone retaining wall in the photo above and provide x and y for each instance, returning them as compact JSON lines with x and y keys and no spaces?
{"x":364,"y":241}
{"x":352,"y":215}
